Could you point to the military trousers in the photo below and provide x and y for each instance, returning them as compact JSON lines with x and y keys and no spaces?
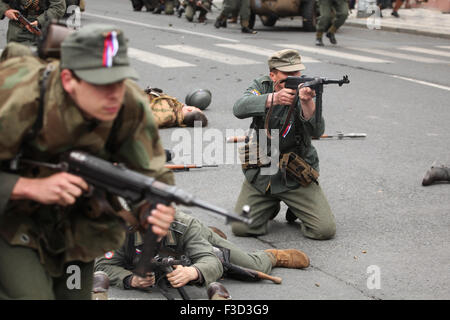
{"x":309,"y":205}
{"x":333,"y":13}
{"x":231,"y":6}
{"x":22,"y":276}
{"x":257,"y":260}
{"x":191,"y":9}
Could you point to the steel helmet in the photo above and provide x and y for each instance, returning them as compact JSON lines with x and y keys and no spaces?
{"x":200,"y":98}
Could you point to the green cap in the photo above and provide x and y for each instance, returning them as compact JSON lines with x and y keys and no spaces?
{"x":97,"y":53}
{"x":287,"y":60}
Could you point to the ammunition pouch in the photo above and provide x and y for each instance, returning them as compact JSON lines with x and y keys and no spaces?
{"x":251,"y":157}
{"x":298,"y":169}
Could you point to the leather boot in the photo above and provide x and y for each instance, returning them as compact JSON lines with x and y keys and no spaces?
{"x":217,"y":291}
{"x":330,"y":34}
{"x":218,"y":231}
{"x":434,"y":174}
{"x":289,"y":258}
{"x":220,"y":22}
{"x":100,"y":286}
{"x":319,"y":41}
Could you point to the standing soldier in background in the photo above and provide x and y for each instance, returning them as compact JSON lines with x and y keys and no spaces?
{"x":230,"y":6}
{"x":333,"y":14}
{"x":38,"y":12}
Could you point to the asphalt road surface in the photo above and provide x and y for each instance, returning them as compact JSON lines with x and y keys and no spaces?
{"x":392,"y":239}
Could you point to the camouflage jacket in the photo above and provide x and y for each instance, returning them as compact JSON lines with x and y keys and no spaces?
{"x":62,"y":235}
{"x":253,"y":104}
{"x":44,"y":13}
{"x":166,"y":109}
{"x":187,"y":236}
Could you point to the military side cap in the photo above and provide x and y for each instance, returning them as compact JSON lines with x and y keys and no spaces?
{"x":287,"y":60}
{"x":97,"y":54}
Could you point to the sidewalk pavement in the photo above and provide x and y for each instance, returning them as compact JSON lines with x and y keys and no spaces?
{"x":429,"y":22}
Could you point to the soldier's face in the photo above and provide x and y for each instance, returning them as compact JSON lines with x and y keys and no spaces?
{"x":102,"y":102}
{"x":277,"y":76}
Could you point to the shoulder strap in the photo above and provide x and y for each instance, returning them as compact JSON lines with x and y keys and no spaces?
{"x":37,"y":126}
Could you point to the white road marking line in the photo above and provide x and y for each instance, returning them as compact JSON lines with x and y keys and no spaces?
{"x":334,"y":53}
{"x":422,"y":82}
{"x":397,"y":55}
{"x":169,"y":29}
{"x":258,"y":50}
{"x":156,"y":59}
{"x":210,"y":55}
{"x":426,"y":51}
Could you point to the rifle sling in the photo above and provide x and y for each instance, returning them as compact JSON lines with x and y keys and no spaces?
{"x":37,"y":125}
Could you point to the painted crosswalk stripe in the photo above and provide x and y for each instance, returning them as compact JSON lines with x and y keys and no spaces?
{"x":210,"y":55}
{"x":423,"y":82}
{"x":161,"y":28}
{"x":258,"y":50}
{"x":426,"y":51}
{"x":156,"y":59}
{"x":334,"y":53}
{"x":404,"y":56}
{"x":443,"y":47}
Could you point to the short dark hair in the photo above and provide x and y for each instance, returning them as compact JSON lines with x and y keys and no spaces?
{"x":191,"y":117}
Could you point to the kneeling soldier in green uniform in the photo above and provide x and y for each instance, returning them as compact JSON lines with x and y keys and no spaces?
{"x":49,"y":232}
{"x":268,"y":102}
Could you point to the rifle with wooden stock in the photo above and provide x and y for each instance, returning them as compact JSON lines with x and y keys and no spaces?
{"x":27,"y":23}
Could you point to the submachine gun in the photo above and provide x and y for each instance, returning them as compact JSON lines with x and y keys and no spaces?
{"x":136,"y":189}
{"x":315,"y":83}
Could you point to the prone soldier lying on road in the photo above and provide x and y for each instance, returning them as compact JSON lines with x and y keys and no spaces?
{"x":207,"y":248}
{"x":169,"y":111}
{"x":82,"y":102}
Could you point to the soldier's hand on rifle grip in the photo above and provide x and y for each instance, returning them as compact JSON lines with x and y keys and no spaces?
{"x":182,"y":275}
{"x":11,"y":14}
{"x":141,"y":283}
{"x":60,"y":188}
{"x":160,"y":219}
{"x":30,"y":29}
{"x":306,"y":98}
{"x":284,"y":97}
{"x":306,"y":93}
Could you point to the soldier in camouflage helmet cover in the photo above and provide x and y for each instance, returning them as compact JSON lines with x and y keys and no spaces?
{"x":89,"y":104}
{"x":39,"y":12}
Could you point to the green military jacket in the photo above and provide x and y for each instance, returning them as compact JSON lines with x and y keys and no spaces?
{"x":253,"y":104}
{"x":44,"y":13}
{"x":187,"y":236}
{"x":66,"y":234}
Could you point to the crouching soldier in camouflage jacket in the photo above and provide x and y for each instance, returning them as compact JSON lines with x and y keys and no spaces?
{"x":84,"y":102}
{"x":206,"y":247}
